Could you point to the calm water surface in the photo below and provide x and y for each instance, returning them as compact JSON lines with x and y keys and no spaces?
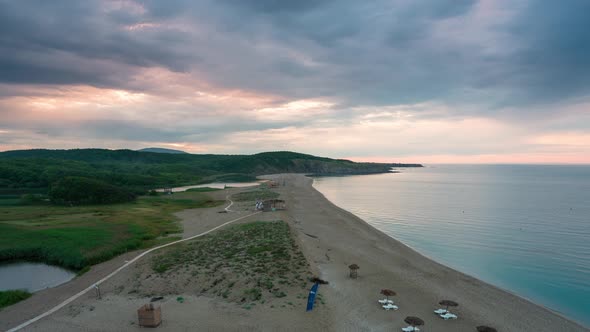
{"x":217,"y":185}
{"x":32,"y":276}
{"x":523,"y":228}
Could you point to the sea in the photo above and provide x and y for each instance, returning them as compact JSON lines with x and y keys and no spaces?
{"x":523,"y":228}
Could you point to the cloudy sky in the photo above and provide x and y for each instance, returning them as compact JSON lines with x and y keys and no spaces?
{"x":396,"y":80}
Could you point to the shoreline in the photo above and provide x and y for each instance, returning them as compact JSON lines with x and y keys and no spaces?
{"x":554,"y":311}
{"x":456,"y":270}
{"x":551,"y":320}
{"x":331,"y":238}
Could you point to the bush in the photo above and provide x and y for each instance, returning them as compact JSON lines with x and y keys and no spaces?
{"x":75,"y":190}
{"x":30,"y":199}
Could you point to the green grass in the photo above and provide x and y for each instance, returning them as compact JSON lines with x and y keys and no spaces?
{"x":75,"y":237}
{"x":10,"y":297}
{"x":253,"y":195}
{"x":10,"y":202}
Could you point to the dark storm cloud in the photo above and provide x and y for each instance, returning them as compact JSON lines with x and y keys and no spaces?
{"x":554,"y":62}
{"x":39,"y":40}
{"x":356,"y":52}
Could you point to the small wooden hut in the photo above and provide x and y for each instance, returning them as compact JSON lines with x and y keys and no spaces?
{"x":353,"y":270}
{"x":273,"y":205}
{"x":149,"y":316}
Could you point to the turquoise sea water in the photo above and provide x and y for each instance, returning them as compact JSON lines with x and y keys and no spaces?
{"x":523,"y":228}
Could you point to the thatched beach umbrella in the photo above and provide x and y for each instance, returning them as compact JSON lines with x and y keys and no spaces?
{"x":484,"y":328}
{"x":414,"y":321}
{"x":448,"y":303}
{"x":353,"y":270}
{"x":387,"y":293}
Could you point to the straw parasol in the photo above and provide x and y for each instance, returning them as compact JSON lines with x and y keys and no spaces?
{"x":449,"y":303}
{"x":414,"y":321}
{"x":484,"y":328}
{"x":353,"y":270}
{"x":387,"y":293}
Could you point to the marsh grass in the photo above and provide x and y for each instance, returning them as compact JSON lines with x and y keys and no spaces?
{"x":75,"y":237}
{"x":10,"y":297}
{"x":243,"y":263}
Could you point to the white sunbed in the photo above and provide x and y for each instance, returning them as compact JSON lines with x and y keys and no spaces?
{"x":410,"y":329}
{"x":448,"y":315}
{"x":390,"y":306}
{"x":385,"y":301}
{"x":440,"y":311}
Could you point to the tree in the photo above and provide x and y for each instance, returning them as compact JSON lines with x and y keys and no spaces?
{"x":74,"y":190}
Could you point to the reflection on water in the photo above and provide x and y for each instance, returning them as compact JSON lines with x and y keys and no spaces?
{"x":32,"y":276}
{"x":520,"y":227}
{"x":217,"y":185}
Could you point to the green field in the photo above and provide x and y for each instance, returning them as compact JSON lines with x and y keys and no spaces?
{"x":75,"y":237}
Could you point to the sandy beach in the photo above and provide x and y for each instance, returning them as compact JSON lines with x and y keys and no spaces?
{"x":331,"y":239}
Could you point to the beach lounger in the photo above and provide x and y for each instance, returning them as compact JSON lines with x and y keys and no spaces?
{"x":385,"y":301}
{"x":448,"y":315}
{"x":440,"y":311}
{"x":410,"y":329}
{"x":390,"y":306}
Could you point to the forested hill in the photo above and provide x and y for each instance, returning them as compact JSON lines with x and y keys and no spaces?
{"x":39,"y":169}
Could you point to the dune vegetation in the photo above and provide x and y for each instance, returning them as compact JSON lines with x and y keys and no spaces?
{"x":252,"y":195}
{"x":253,"y":263}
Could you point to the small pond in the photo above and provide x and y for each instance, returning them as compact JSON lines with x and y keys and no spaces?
{"x":32,"y":276}
{"x":217,"y":185}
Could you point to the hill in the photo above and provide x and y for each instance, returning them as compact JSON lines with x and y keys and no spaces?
{"x":25,"y":171}
{"x":162,"y":150}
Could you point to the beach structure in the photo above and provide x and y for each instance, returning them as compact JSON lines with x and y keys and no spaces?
{"x":353,"y":270}
{"x":387,"y":293}
{"x":445,"y":313}
{"x":413,"y":321}
{"x":390,"y":306}
{"x":386,"y":303}
{"x":149,"y":316}
{"x":273,"y":205}
{"x":448,"y":316}
{"x":312,"y":294}
{"x":447,"y":304}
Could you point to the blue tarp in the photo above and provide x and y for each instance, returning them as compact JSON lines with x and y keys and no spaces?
{"x":311,"y":299}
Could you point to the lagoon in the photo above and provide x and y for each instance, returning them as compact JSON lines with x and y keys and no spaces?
{"x":32,"y":276}
{"x":216,"y":185}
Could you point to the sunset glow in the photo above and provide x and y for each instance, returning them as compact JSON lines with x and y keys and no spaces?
{"x":395,"y":81}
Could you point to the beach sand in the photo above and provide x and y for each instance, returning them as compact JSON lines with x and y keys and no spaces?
{"x":331,"y":239}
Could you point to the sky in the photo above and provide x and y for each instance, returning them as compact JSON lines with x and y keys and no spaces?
{"x":446,"y":81}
